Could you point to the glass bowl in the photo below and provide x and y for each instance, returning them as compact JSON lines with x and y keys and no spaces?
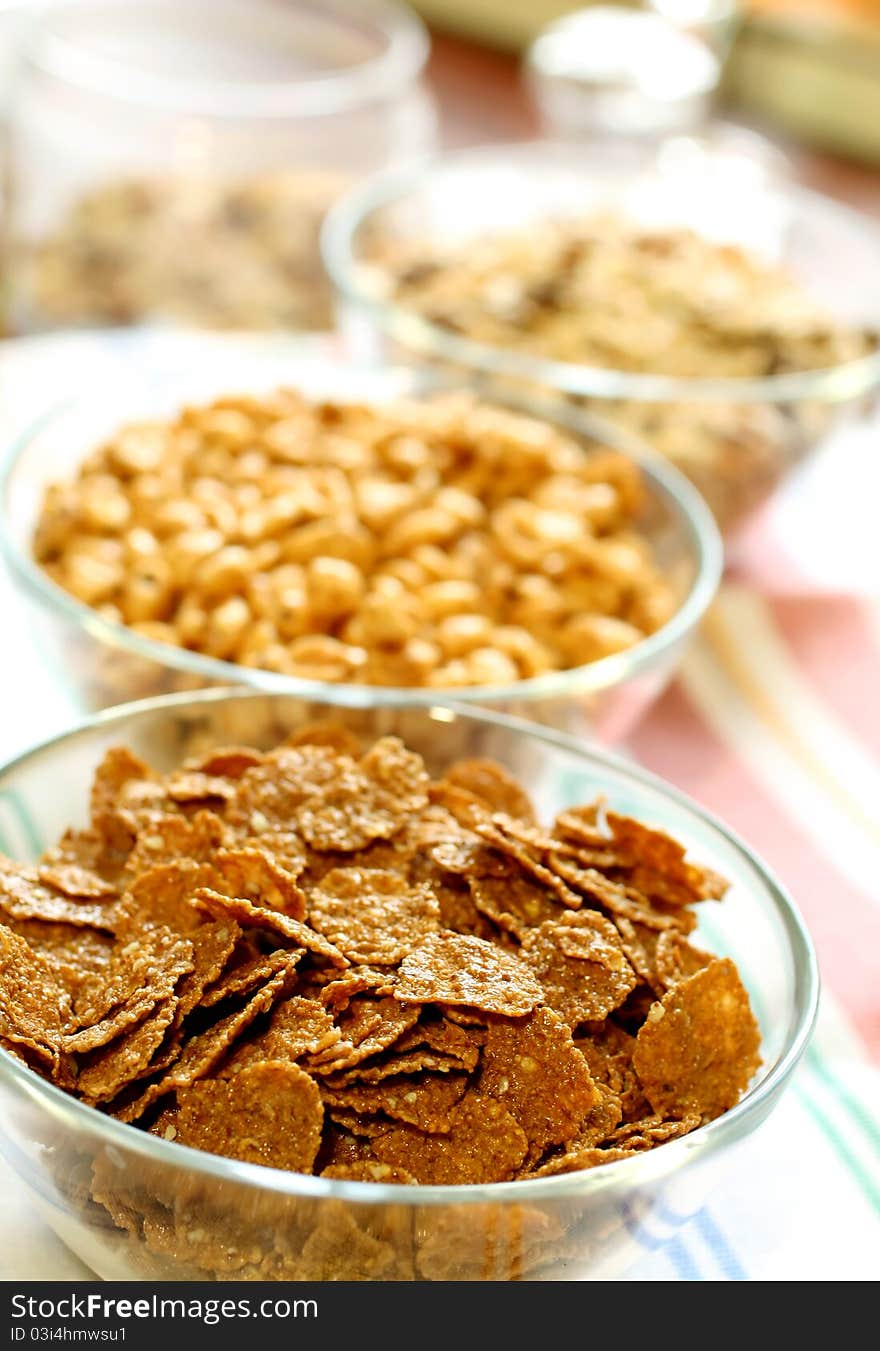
{"x":172,"y":162}
{"x":106,"y":663}
{"x":735,"y":437}
{"x":184,"y":1214}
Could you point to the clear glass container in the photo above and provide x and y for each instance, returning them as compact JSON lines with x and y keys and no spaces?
{"x":736,"y":437}
{"x":104,"y":662}
{"x":16,"y":19}
{"x":173,"y":162}
{"x":634,"y":72}
{"x":133,"y":1206}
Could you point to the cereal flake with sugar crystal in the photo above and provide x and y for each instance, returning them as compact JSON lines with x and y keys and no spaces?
{"x":484,"y":1143}
{"x":297,"y":1028}
{"x":202,"y":1052}
{"x":23,"y":896}
{"x":248,"y":976}
{"x":77,"y":882}
{"x":126,"y":1058}
{"x":119,"y":768}
{"x":253,"y":875}
{"x":192,"y":787}
{"x":444,"y":1038}
{"x":517,"y":845}
{"x":213,"y":943}
{"x":372,"y":1070}
{"x":33,"y":1005}
{"x":128,"y":1015}
{"x":639,"y":944}
{"x":367,"y":802}
{"x":637,"y":1136}
{"x":698,"y":1047}
{"x":537,"y":1072}
{"x":578,"y":1161}
{"x":437,"y":1046}
{"x":675,"y":958}
{"x":72,"y":953}
{"x":269,"y":1113}
{"x":453,"y":969}
{"x":657,"y":865}
{"x":372,"y":915}
{"x":581,"y":966}
{"x":515,"y":902}
{"x":166,"y":837}
{"x":493,"y":785}
{"x":147,"y":968}
{"x":616,"y":899}
{"x":608,"y":1050}
{"x":249,"y":915}
{"x":339,"y":991}
{"x":368,"y":1026}
{"x":600,"y":1122}
{"x":227,"y":762}
{"x":270,"y":793}
{"x":162,"y":896}
{"x":426,"y":1103}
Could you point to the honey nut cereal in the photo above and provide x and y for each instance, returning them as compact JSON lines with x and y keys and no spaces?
{"x":220,"y":254}
{"x":440,"y":543}
{"x":343,"y":1020}
{"x":606,"y":292}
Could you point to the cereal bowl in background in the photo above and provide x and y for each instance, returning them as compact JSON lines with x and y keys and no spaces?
{"x":134,"y":1206}
{"x":736,"y":408}
{"x":173,"y":163}
{"x":106,"y":662}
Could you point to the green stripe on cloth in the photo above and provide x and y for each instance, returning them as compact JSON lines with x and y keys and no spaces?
{"x":844,"y":1096}
{"x":866,"y":1183}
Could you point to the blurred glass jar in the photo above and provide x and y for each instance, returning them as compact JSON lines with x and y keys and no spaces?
{"x":631,"y":73}
{"x":15,"y":18}
{"x":173,"y":162}
{"x":687,"y":297}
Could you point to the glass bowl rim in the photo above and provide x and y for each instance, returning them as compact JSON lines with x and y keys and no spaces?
{"x":847,"y":380}
{"x":665,"y":483}
{"x":643,"y":1167}
{"x":343,"y":88}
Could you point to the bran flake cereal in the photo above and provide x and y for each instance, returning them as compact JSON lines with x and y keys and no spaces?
{"x":372,"y":915}
{"x":698,"y":1047}
{"x":581,"y":966}
{"x":269,"y":1113}
{"x":536,"y":1070}
{"x":456,"y":969}
{"x":467,"y":997}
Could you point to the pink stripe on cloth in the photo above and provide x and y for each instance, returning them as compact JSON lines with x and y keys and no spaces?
{"x":756,"y":557}
{"x":676,"y":743}
{"x":834,"y":644}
